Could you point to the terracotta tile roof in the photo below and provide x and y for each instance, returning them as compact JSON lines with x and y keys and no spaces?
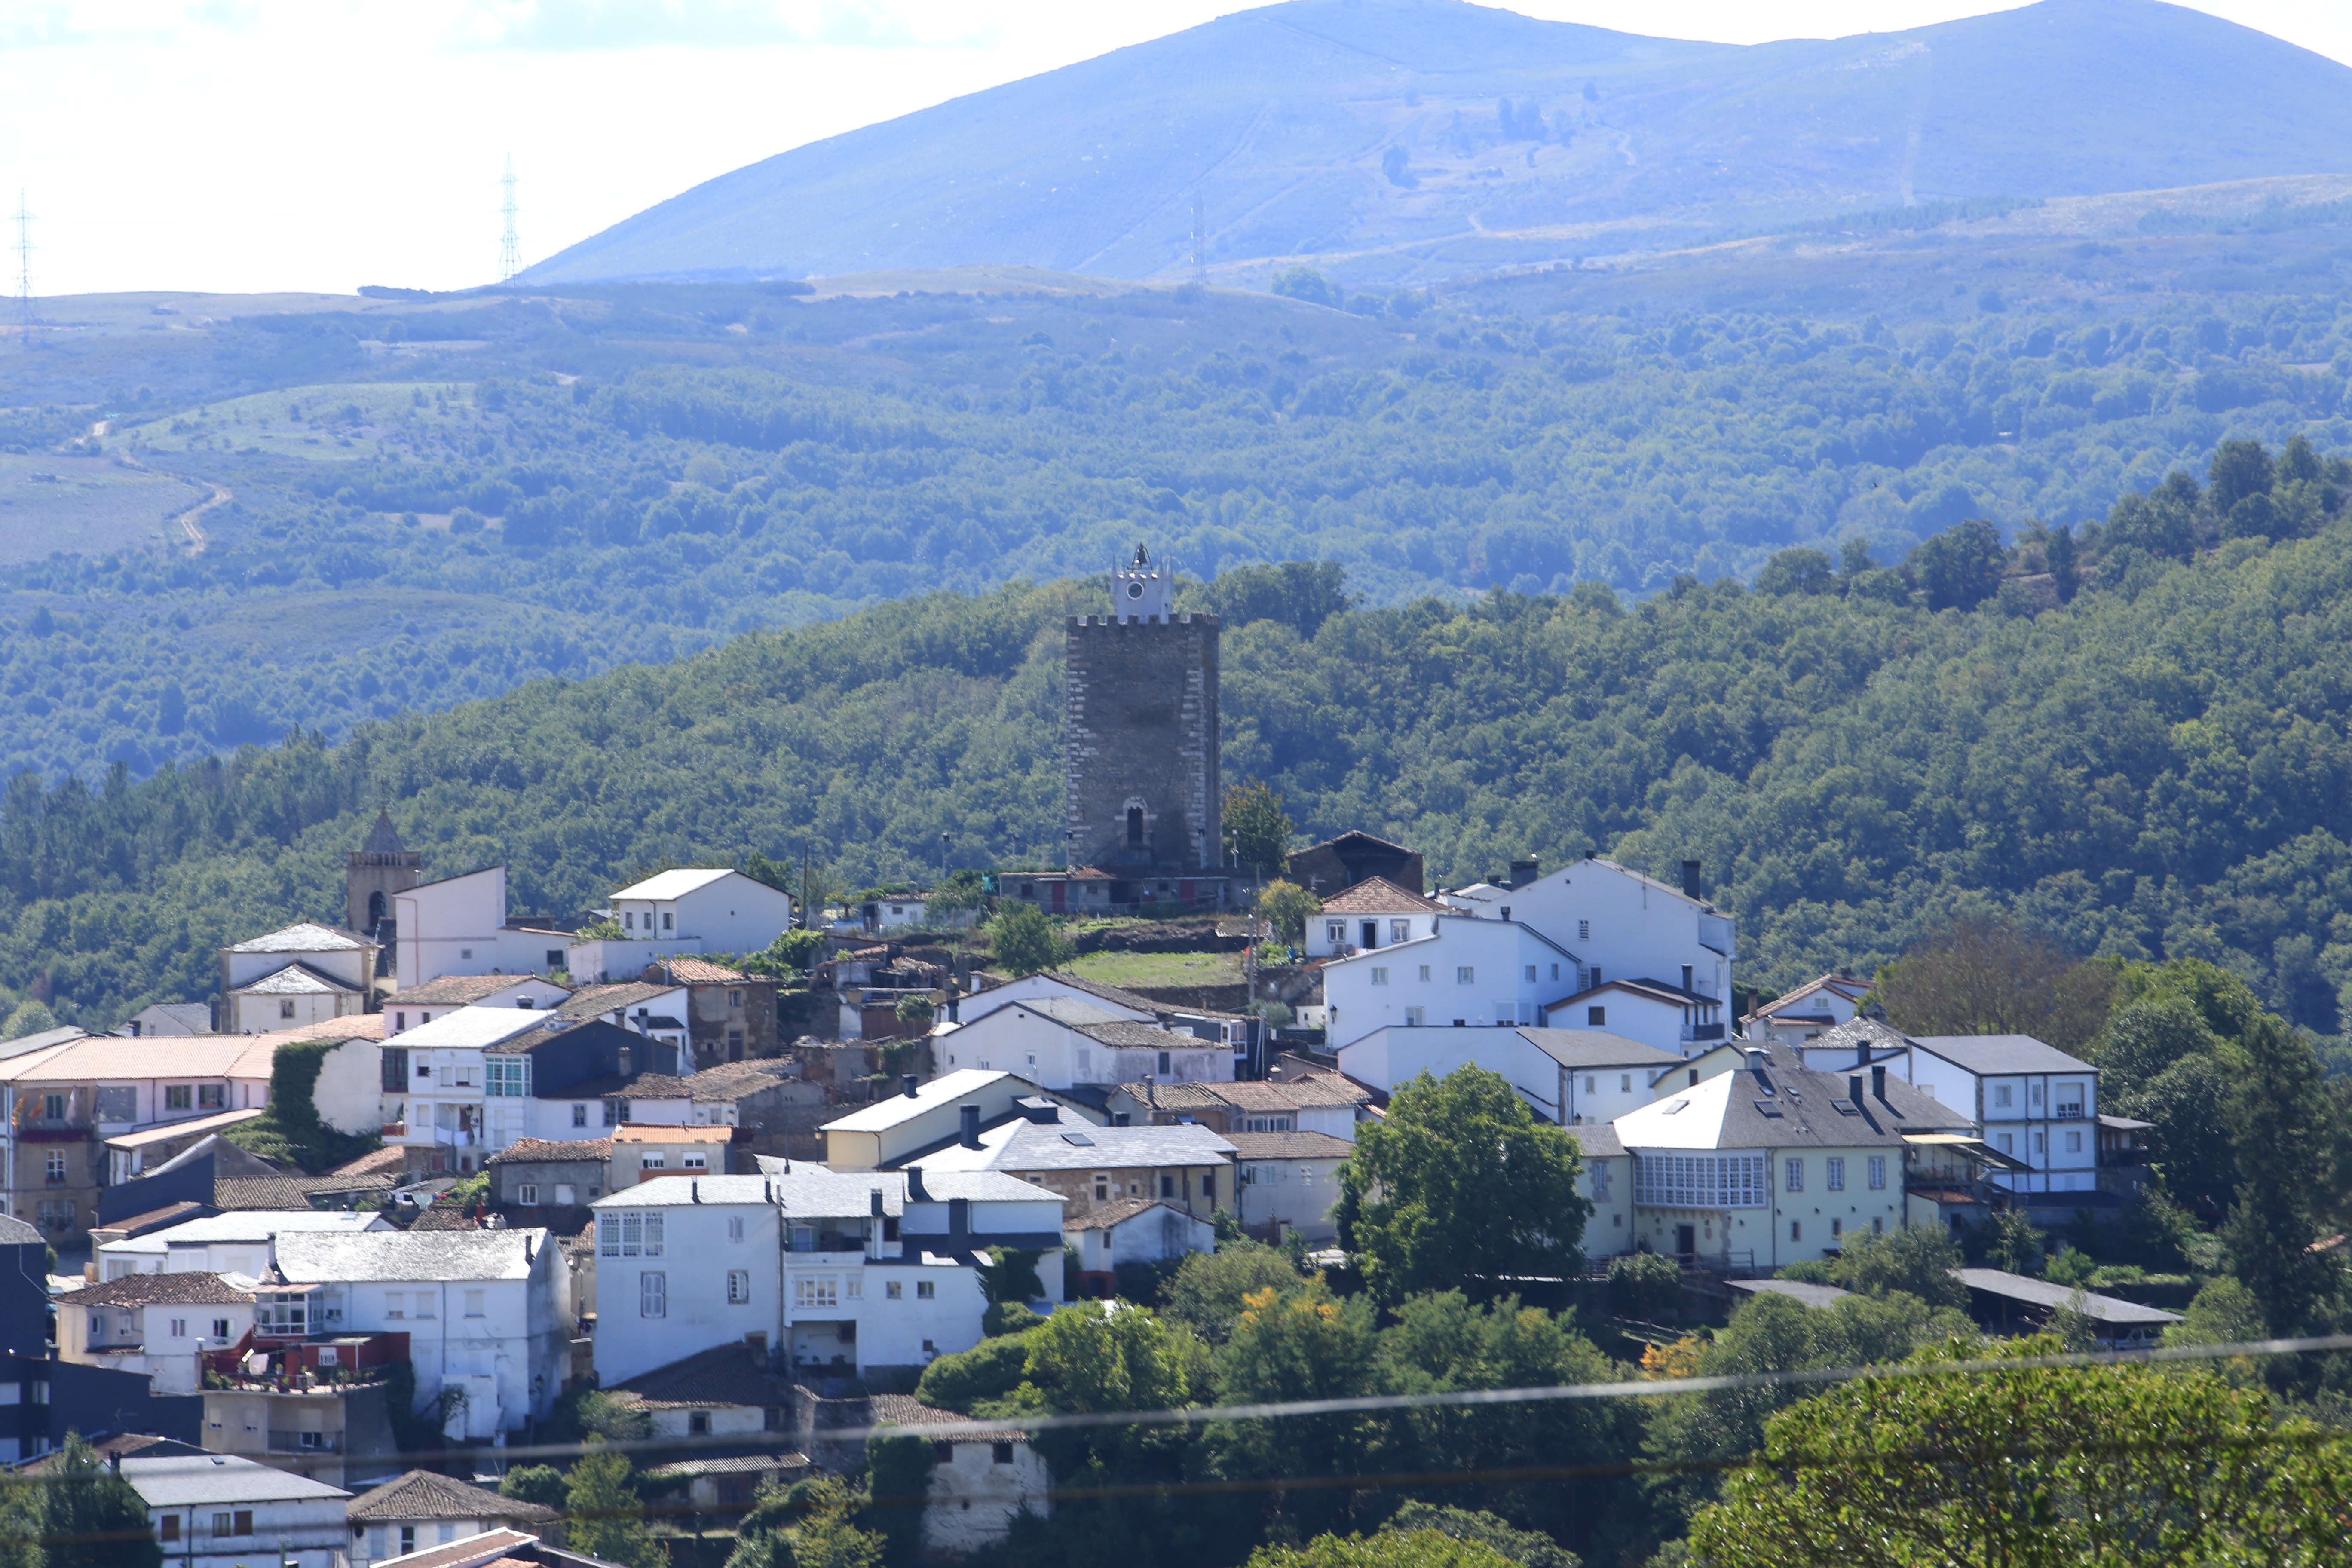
{"x":906,"y":1410}
{"x":1244,"y":1095}
{"x":738,"y":1465}
{"x":446,"y":1217}
{"x":1379,"y":896}
{"x":535,"y":1149}
{"x":140,"y":1289}
{"x":421,"y":1494}
{"x":379,"y":1163}
{"x":654,"y":1132}
{"x":1289,"y":1146}
{"x":1325,"y":1089}
{"x":358,"y":1026}
{"x":459,"y":990}
{"x":725,"y":1376}
{"x":737,"y":1080}
{"x":702,"y":972}
{"x":1143,"y":1037}
{"x":288,"y":1192}
{"x":159,"y":1056}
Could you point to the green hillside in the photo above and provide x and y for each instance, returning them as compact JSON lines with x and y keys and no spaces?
{"x":2158,"y":768}
{"x":1407,"y":141}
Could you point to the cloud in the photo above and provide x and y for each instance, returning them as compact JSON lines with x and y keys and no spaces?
{"x":575,"y":25}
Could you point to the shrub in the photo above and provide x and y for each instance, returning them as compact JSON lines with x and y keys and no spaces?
{"x":1644,"y":1285}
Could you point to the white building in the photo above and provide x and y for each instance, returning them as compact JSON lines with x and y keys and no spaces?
{"x":642,"y":1153}
{"x":1604,"y":1178}
{"x":1057,"y":1042}
{"x":1371,"y":915}
{"x":1654,"y":1012}
{"x":237,"y":1242}
{"x":486,"y":1312}
{"x":417,"y":1004}
{"x":1291,"y":1179}
{"x":1619,"y":923}
{"x":982,"y":1478}
{"x":1565,"y":1076}
{"x":445,"y":1121}
{"x":1806,"y":1013}
{"x":1469,"y":971}
{"x":847,"y":1272}
{"x":716,"y":911}
{"x":421,"y":1510}
{"x":1132,"y":1230}
{"x":153,"y":1324}
{"x":458,"y":925}
{"x":926,"y":1116}
{"x":2029,"y":1100}
{"x":306,"y":973}
{"x":218,"y":1511}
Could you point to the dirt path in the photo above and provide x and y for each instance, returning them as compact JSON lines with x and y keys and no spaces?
{"x":198,"y":540}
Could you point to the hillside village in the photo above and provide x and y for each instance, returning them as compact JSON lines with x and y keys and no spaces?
{"x":590,"y":1154}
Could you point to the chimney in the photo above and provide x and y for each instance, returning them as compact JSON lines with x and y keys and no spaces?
{"x":915,"y":1193}
{"x":1525,"y":871}
{"x":874,"y":1202}
{"x":1690,"y":879}
{"x":1506,"y":911}
{"x":1878,"y":1083}
{"x":906,"y":1086}
{"x":970,"y":1115}
{"x":1853,"y":1088}
{"x":1756,"y":1059}
{"x":1861,"y":1053}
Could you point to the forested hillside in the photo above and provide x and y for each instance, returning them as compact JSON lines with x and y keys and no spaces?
{"x":435,"y":500}
{"x":2157,"y":767}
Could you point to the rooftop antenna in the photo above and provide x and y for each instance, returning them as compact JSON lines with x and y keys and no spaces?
{"x":509,"y":248}
{"x":25,"y":320}
{"x":1199,"y":240}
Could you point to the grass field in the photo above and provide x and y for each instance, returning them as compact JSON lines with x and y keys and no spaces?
{"x":1161,"y":968}
{"x":86,"y":506}
{"x":357,"y":420}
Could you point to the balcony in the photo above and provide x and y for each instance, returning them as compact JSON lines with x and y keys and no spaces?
{"x":1694,"y":1034}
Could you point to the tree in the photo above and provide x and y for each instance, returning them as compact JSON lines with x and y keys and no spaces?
{"x":2241,"y":469}
{"x":606,"y":1519}
{"x":1853,"y":557}
{"x":1100,"y":1356}
{"x":2280,"y":1118}
{"x":541,"y":1484}
{"x":1207,"y":1290}
{"x":1287,"y":907}
{"x":1982,"y":978}
{"x":1645,"y":1285}
{"x":1460,"y":1187}
{"x":1915,"y":1259}
{"x":1022,"y":940}
{"x":1388,"y":1549}
{"x":1260,"y":827}
{"x":89,"y":1515}
{"x":790,"y":956}
{"x":1527,"y":1548}
{"x":2060,"y":550}
{"x":1800,"y":570}
{"x":914,"y":1011}
{"x":2111,"y":1465}
{"x":1306,"y":283}
{"x":899,"y":1483}
{"x":1960,"y":567}
{"x":28,"y":1017}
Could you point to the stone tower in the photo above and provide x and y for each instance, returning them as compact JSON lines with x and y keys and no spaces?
{"x":376,"y":870}
{"x":1141,"y":764}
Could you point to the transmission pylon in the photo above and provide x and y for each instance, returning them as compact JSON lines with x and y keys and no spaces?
{"x":1199,"y":240}
{"x":26,"y":319}
{"x":509,"y":248}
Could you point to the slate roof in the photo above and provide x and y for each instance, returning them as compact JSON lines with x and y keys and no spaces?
{"x":459,"y":990}
{"x":1289,"y":1146}
{"x":947,"y":1089}
{"x":906,"y":1410}
{"x":289,"y":1191}
{"x":1119,"y":1211}
{"x":1120,"y":1033}
{"x":1379,"y":896}
{"x":1989,"y":1055}
{"x":394,"y":1255}
{"x":488,"y":1549}
{"x":296,"y":979}
{"x":1242,"y":1095}
{"x":1796,"y":1290}
{"x":153,"y":1219}
{"x":603,"y":1000}
{"x":421,"y":1494}
{"x":1781,"y":1107}
{"x":1577,"y":1049}
{"x":180,"y":1480}
{"x":475,"y":1028}
{"x":2042,"y":1293}
{"x":1596,"y":1140}
{"x":533,"y":1149}
{"x":735,"y":1465}
{"x":1791,"y":1006}
{"x":723,"y":1377}
{"x":261,"y":1225}
{"x":1876,"y":1034}
{"x":308,"y":936}
{"x":14,"y":1232}
{"x":1023,"y":1146}
{"x":145,"y":1289}
{"x":1134,"y":1001}
{"x":383,"y":838}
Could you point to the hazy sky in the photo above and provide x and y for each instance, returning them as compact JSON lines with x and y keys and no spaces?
{"x":319,"y":144}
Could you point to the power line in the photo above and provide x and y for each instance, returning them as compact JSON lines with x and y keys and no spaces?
{"x":509,"y":248}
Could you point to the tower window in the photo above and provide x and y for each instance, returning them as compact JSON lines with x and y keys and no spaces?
{"x":1135,"y":826}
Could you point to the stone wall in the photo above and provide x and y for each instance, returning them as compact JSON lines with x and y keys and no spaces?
{"x":1142,"y":731}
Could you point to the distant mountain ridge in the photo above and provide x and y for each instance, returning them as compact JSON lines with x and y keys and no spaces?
{"x":1397,"y":141}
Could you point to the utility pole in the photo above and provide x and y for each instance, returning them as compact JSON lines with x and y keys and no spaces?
{"x":25,"y":320}
{"x":509,"y":248}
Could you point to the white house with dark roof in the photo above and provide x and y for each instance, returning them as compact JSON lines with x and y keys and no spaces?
{"x":1773,"y":1163}
{"x":422,"y":1509}
{"x":982,"y":1478}
{"x":842,"y":1272}
{"x":237,"y":1242}
{"x":713,"y":908}
{"x":445,"y":1124}
{"x":1621,"y":922}
{"x":1467,"y":971}
{"x":1290,"y":1180}
{"x":1565,"y":1076}
{"x":153,"y":1324}
{"x":1656,"y":1012}
{"x":220,"y":1511}
{"x":1086,"y":1164}
{"x":1057,"y":1042}
{"x":1806,"y":1013}
{"x":1230,"y":1029}
{"x":2027,"y":1099}
{"x":925,"y":1116}
{"x":305,"y":973}
{"x":1132,"y":1230}
{"x":459,"y":925}
{"x":488,"y":1312}
{"x":1373,"y":913}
